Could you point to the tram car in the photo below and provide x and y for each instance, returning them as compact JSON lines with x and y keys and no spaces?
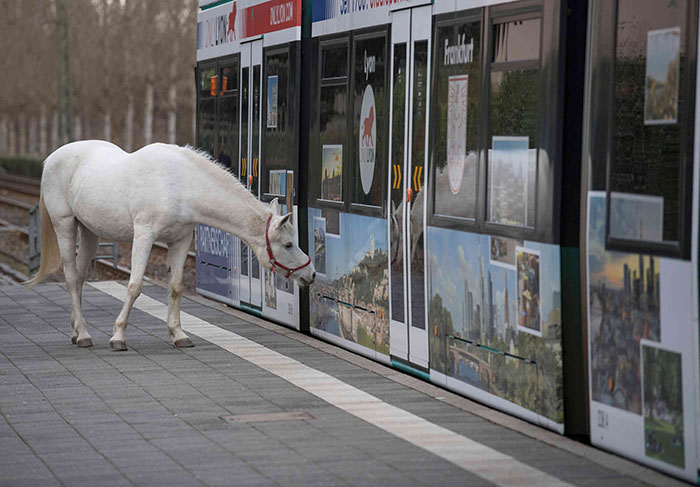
{"x":500,"y":197}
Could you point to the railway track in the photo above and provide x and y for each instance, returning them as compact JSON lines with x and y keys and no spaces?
{"x":20,"y":184}
{"x":14,"y":221}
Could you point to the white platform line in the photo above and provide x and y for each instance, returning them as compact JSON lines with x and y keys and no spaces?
{"x":470,"y":455}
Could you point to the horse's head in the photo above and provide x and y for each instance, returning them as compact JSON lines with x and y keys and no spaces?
{"x":284,"y":254}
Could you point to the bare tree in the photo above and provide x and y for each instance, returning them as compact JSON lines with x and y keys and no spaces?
{"x":128,"y":74}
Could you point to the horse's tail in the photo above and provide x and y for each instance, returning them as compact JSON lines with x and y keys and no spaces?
{"x":50,"y":253}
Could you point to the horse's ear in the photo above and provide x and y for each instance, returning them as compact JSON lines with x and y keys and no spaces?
{"x":285,"y":219}
{"x":275,"y":206}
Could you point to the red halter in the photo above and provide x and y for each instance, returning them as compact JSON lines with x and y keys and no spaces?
{"x":272,"y":257}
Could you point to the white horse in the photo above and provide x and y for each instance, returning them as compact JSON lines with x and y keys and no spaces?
{"x":160,"y":193}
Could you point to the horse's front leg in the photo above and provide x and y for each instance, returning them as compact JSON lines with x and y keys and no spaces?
{"x":177,"y":254}
{"x":140,"y":250}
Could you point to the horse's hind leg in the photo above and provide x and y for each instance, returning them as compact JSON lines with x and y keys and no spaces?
{"x":66,"y":228}
{"x":140,"y":250}
{"x":177,"y":254}
{"x":87,"y":248}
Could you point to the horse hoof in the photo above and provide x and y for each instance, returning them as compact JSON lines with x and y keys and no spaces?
{"x":184,"y":343}
{"x":84,"y":342}
{"x":118,"y":346}
{"x":74,"y":339}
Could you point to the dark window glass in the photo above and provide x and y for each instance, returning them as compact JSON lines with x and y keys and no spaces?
{"x":455,"y":150}
{"x":255,"y":153}
{"x":244,"y":260}
{"x":512,"y":154}
{"x":206,"y":73}
{"x":277,"y":130}
{"x":398,"y":124}
{"x":649,"y":118}
{"x":419,"y":113}
{"x":334,"y":60}
{"x":369,"y":137}
{"x":244,"y":124}
{"x":228,"y":132}
{"x":518,"y":40}
{"x":207,"y":125}
{"x":332,"y":131}
{"x":229,"y":78}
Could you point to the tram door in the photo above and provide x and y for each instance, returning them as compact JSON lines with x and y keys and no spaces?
{"x":410,"y":54}
{"x":251,"y":88}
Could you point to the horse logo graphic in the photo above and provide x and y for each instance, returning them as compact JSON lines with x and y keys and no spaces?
{"x":367,"y":126}
{"x":368,"y":139}
{"x":232,"y":21}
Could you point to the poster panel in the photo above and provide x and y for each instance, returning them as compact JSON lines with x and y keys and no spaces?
{"x":529,"y":301}
{"x":623,"y":306}
{"x":662,"y":76}
{"x":474,"y":322}
{"x":320,"y":245}
{"x":641,"y":352}
{"x":332,"y":222}
{"x":662,"y":391}
{"x":272,"y":98}
{"x":351,"y":299}
{"x":502,"y":251}
{"x":636,"y":216}
{"x":508,"y":180}
{"x":270,"y":290}
{"x":332,"y":172}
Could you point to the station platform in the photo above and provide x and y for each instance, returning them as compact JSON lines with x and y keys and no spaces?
{"x":252,"y":404}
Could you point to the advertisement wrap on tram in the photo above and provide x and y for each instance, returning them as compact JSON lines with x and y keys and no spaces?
{"x":498,"y":197}
{"x":422,"y":261}
{"x":641,"y":220}
{"x":247,"y":76}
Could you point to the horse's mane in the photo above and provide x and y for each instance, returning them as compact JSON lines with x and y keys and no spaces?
{"x":207,"y":164}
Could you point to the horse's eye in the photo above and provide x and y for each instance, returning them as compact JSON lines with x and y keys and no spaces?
{"x":288,"y":246}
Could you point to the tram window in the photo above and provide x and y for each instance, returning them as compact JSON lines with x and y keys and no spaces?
{"x":334,"y":61}
{"x":333,"y":120}
{"x":650,"y":158}
{"x":332,"y":134}
{"x":206,"y":74}
{"x":518,"y":40}
{"x":206,"y":122}
{"x":513,"y":123}
{"x":229,"y":78}
{"x":512,"y":155}
{"x":227,"y":115}
{"x":228,"y":132}
{"x":455,"y":150}
{"x":369,"y":138}
{"x":278,"y":157}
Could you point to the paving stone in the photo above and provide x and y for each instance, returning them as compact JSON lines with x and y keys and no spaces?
{"x":151,"y":415}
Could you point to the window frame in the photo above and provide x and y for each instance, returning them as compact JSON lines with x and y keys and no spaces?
{"x":217,"y":64}
{"x":232,"y":60}
{"x":549,"y":118}
{"x":201,"y":66}
{"x":325,"y":44}
{"x":383,"y":130}
{"x":440,"y":219}
{"x":292,"y":105}
{"x":680,"y":248}
{"x":348,"y":40}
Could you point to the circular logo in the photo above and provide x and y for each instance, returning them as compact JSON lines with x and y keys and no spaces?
{"x":368,"y":139}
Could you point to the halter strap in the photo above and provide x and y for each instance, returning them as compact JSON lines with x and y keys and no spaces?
{"x":273,"y":261}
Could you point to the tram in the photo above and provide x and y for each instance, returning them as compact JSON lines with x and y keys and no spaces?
{"x":500,"y":197}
